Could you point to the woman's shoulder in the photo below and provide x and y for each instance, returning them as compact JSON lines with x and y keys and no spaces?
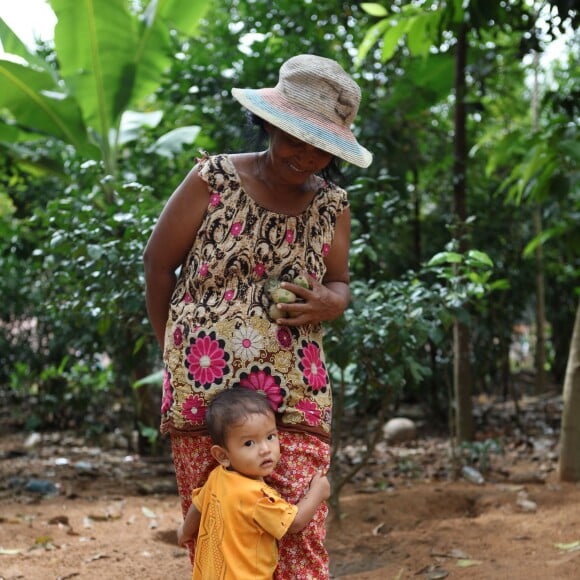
{"x":332,"y":194}
{"x":232,"y":163}
{"x":216,"y":169}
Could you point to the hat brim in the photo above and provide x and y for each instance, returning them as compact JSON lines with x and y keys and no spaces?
{"x":270,"y":105}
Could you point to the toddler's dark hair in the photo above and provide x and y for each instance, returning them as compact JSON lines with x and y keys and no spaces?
{"x":232,"y":407}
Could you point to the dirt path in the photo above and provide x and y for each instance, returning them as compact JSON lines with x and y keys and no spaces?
{"x":113,"y":516}
{"x":423,"y":531}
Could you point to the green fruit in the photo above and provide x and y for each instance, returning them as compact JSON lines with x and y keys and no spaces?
{"x":272,"y":284}
{"x":301,"y":280}
{"x":274,"y":312}
{"x":282,"y":296}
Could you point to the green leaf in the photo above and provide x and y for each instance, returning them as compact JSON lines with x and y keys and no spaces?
{"x":464,"y":563}
{"x":502,"y":284}
{"x":371,"y":38}
{"x":13,"y":45}
{"x":570,"y":547}
{"x":426,"y":82}
{"x":419,"y":39}
{"x":391,"y":39}
{"x":542,"y":238}
{"x":9,"y":133}
{"x":133,"y":122}
{"x":154,"y":379}
{"x":96,"y":46}
{"x":34,"y":101}
{"x":374,"y":9}
{"x":153,"y":54}
{"x":172,"y":143}
{"x":445,"y":258}
{"x":478,"y":257}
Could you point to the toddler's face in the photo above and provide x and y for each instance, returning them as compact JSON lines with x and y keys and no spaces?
{"x":253,"y":447}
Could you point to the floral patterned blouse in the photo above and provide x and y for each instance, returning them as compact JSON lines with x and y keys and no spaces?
{"x":219,"y":333}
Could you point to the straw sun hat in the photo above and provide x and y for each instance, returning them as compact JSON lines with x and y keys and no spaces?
{"x":315,"y":101}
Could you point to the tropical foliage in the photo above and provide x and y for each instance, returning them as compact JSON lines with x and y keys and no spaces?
{"x":97,"y":128}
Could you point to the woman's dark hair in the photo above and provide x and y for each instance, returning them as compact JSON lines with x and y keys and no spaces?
{"x":258,"y":138}
{"x":232,"y":407}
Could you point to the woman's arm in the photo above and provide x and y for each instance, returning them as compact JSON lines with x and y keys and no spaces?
{"x":168,"y":245}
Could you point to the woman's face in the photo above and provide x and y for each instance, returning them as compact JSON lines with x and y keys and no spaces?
{"x":295,"y":160}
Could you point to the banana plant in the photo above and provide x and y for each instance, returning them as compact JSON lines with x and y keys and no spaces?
{"x":109,"y":60}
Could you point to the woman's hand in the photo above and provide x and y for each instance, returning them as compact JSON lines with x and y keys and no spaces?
{"x":320,"y":302}
{"x":328,"y":299}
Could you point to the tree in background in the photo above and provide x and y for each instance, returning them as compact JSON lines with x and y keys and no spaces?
{"x":429,"y":31}
{"x":569,"y":465}
{"x":85,"y":240}
{"x":73,"y":258}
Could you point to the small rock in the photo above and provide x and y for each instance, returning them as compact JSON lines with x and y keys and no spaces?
{"x":399,"y":430}
{"x":473,"y":475}
{"x":33,"y":440}
{"x":527,"y":477}
{"x":525,"y":504}
{"x":41,"y":486}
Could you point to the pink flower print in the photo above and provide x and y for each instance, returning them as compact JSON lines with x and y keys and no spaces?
{"x":236,"y":229}
{"x":194,"y":409}
{"x":187,"y":298}
{"x":290,"y":236}
{"x":310,"y":410}
{"x":214,"y":199}
{"x":178,"y":336}
{"x":229,"y":295}
{"x":284,"y":337}
{"x":325,"y":249}
{"x":203,"y":270}
{"x":167,"y":398}
{"x":312,"y":366}
{"x":259,"y":270}
{"x":262,"y":380}
{"x":205,"y":360}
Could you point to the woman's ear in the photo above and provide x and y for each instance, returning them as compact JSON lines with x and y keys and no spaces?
{"x":220,"y":454}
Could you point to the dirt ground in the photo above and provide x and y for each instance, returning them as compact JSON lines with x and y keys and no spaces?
{"x":108,"y":515}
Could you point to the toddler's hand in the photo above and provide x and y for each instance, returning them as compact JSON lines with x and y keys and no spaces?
{"x":320,"y":485}
{"x":182,"y":539}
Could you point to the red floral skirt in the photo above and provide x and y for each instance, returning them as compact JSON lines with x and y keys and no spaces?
{"x":302,"y":556}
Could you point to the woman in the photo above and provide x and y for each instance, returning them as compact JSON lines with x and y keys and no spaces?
{"x":236,"y":223}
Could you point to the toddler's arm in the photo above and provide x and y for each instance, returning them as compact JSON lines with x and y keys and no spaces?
{"x":189,"y":526}
{"x":318,"y":491}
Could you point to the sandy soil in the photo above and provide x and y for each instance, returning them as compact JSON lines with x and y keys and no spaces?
{"x":114,"y":516}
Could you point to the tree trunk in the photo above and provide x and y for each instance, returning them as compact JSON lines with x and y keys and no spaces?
{"x":461,"y":337}
{"x":416,"y":219}
{"x":462,"y":380}
{"x":569,"y":467}
{"x":540,"y":361}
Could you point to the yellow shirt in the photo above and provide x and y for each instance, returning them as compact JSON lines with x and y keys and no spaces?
{"x":241,"y":521}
